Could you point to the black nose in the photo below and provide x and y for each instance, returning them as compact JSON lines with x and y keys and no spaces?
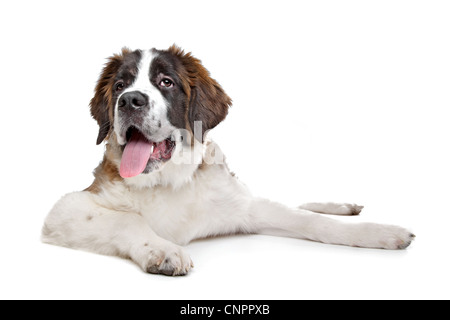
{"x":133,"y":99}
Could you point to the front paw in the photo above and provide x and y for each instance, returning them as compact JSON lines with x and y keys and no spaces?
{"x":385,"y":236}
{"x":396,"y":238}
{"x":349,"y":209}
{"x":170,"y":261}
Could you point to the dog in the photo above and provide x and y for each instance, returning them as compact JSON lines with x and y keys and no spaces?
{"x":163,"y":183}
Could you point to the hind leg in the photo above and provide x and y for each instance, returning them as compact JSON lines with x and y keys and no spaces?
{"x":341,"y":209}
{"x":78,"y":221}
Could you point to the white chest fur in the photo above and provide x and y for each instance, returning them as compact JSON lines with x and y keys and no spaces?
{"x":211,"y":201}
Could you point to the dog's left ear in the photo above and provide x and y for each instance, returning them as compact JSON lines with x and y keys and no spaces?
{"x":208,"y":102}
{"x":101,"y":106}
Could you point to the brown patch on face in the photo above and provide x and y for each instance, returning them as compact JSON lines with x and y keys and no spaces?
{"x":101,"y":104}
{"x":207,"y":101}
{"x":124,"y":67}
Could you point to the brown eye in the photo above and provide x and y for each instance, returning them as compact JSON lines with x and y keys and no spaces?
{"x":119,"y":86}
{"x":166,"y":83}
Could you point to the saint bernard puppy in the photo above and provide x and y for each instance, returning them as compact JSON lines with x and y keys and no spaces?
{"x":162,"y":183}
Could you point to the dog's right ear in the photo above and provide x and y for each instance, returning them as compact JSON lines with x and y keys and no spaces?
{"x":101,"y":106}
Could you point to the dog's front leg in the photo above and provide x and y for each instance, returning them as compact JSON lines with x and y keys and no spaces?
{"x":78,"y":221}
{"x":340,"y":209}
{"x":275,"y":219}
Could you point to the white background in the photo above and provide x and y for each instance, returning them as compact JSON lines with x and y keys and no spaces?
{"x":333,"y":101}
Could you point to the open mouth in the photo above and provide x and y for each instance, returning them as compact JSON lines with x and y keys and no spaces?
{"x":140,"y":153}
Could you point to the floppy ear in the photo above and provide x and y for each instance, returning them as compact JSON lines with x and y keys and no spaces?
{"x":208,"y":102}
{"x":101,"y":106}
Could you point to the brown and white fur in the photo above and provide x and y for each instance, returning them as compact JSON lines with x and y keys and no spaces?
{"x":149,"y":217}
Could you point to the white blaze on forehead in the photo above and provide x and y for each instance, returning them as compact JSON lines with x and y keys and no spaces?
{"x":142,"y":80}
{"x":156,"y":120}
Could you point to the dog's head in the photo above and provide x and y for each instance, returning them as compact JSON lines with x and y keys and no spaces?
{"x":143,"y":96}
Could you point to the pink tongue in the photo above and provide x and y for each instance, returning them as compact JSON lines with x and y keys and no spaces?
{"x":135,"y":155}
